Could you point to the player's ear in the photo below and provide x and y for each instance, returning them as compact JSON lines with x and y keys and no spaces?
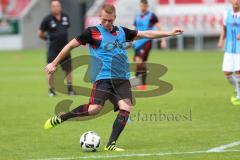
{"x":100,"y":14}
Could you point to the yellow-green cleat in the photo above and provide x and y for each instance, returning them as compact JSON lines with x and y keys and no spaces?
{"x":113,"y":147}
{"x":236,"y":102}
{"x":233,"y":97}
{"x":52,"y":122}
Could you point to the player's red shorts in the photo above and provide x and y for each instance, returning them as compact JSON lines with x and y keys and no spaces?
{"x":143,"y":51}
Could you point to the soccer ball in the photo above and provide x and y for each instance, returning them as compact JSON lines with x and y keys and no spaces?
{"x":90,"y":141}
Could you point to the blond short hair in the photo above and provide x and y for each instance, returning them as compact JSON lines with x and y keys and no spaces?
{"x":109,"y":8}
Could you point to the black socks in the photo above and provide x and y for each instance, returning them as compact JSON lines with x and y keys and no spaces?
{"x":80,"y":111}
{"x":118,"y":126}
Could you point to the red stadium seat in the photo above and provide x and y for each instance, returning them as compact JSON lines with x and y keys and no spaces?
{"x":18,"y":7}
{"x":186,"y":21}
{"x":176,"y":21}
{"x":163,"y":1}
{"x":4,"y":4}
{"x":212,"y":22}
{"x":110,"y":1}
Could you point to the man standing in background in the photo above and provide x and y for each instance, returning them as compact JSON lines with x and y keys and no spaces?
{"x":145,"y":20}
{"x":54,"y":29}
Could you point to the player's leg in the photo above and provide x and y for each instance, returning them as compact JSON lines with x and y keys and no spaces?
{"x":66,"y":65}
{"x":230,"y":78}
{"x":50,"y":85}
{"x":137,"y":60}
{"x":145,"y":56}
{"x":81,"y":111}
{"x":141,"y":57}
{"x":228,"y":69}
{"x":236,"y":58}
{"x":98,"y":97}
{"x":50,"y":57}
{"x":139,"y":68}
{"x":237,"y":78}
{"x":123,"y":103}
{"x":119,"y":125}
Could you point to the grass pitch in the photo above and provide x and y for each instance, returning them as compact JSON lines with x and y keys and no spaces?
{"x":200,"y":94}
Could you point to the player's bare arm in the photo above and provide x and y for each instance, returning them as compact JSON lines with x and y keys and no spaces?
{"x":51,"y":67}
{"x":238,"y":37}
{"x":158,"y":34}
{"x":222,"y":37}
{"x":163,"y":40}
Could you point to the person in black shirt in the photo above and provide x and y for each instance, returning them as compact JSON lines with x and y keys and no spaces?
{"x":54,"y":29}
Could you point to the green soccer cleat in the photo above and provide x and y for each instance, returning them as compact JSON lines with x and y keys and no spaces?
{"x":52,"y":122}
{"x":233,"y":97}
{"x":113,"y":147}
{"x":236,"y":102}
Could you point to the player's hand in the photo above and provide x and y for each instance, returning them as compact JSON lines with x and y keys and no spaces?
{"x":50,"y":68}
{"x":176,"y":31}
{"x":220,"y":44}
{"x":238,"y":37}
{"x":163,"y":43}
{"x":129,"y":45}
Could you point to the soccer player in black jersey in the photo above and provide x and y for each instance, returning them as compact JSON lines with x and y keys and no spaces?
{"x":106,"y":43}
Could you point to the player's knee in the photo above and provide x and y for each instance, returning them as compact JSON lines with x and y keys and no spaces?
{"x":125,"y":105}
{"x":237,"y":72}
{"x":94,"y":109}
{"x":144,"y":65}
{"x":227,"y":74}
{"x":138,"y":59}
{"x":68,"y":71}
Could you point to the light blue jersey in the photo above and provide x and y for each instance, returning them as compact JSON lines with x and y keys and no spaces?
{"x":110,"y":59}
{"x":232,"y":23}
{"x":143,"y":24}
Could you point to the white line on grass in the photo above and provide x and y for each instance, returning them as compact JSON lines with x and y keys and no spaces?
{"x":223,"y":147}
{"x":133,"y":155}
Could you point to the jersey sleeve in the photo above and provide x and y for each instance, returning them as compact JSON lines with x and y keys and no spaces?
{"x":134,"y":22}
{"x":44,"y":25}
{"x":85,"y":37}
{"x":154,"y":19}
{"x":130,"y":34}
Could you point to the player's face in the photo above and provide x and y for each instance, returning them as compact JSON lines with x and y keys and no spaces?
{"x":107,"y":19}
{"x":235,"y":3}
{"x":143,"y":7}
{"x":56,"y":7}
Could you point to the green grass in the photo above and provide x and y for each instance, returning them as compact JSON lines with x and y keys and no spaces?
{"x":199,"y":86}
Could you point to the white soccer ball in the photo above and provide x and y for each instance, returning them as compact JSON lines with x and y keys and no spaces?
{"x":90,"y":141}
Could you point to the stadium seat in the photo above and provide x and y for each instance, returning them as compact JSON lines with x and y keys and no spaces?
{"x":16,"y":7}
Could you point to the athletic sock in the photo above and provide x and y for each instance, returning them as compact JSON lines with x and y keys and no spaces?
{"x":80,"y":111}
{"x":237,"y":79}
{"x":52,"y":92}
{"x":69,"y":86}
{"x":118,"y":126}
{"x":144,"y":74}
{"x":138,"y":70}
{"x":231,"y":79}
